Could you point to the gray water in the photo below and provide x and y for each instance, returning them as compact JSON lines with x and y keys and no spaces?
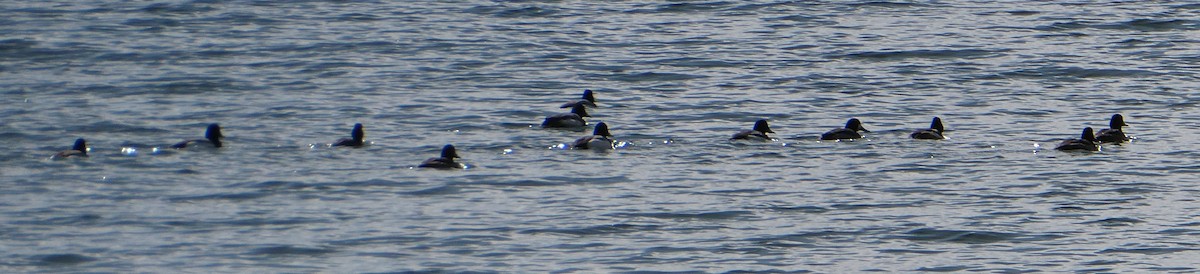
{"x":673,"y":81}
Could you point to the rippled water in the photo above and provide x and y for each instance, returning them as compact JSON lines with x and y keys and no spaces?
{"x":673,"y":80}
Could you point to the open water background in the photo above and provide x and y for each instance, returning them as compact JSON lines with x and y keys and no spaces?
{"x":674,"y":79}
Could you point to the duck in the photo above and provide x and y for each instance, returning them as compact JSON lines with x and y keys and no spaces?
{"x":574,"y":119}
{"x":853,"y":126}
{"x":355,"y":140}
{"x":212,"y":138}
{"x":444,"y":162}
{"x":1086,"y":142}
{"x":934,"y":132}
{"x":759,"y":133}
{"x":78,"y":150}
{"x":1113,"y":133}
{"x":588,"y":100}
{"x":600,"y":139}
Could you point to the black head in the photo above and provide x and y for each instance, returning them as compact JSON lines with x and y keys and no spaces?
{"x":1117,"y":122}
{"x":1088,"y":134}
{"x":855,"y":124}
{"x":80,"y":145}
{"x":213,"y":134}
{"x":937,"y":125}
{"x":580,"y":110}
{"x":357,"y":133}
{"x":761,"y":126}
{"x":448,"y":152}
{"x":587,"y":95}
{"x":602,"y":130}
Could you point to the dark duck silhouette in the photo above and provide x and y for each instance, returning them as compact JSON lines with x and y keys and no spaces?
{"x":356,"y":138}
{"x":212,"y":138}
{"x":934,"y":132}
{"x":1113,"y":134}
{"x":574,"y":119}
{"x":78,"y":150}
{"x":853,"y":126}
{"x":587,"y":100}
{"x":600,"y":139}
{"x":446,"y":161}
{"x":759,"y":133}
{"x":1086,"y":142}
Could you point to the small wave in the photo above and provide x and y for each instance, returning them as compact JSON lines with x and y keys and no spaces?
{"x":685,"y":7}
{"x":1077,"y":72}
{"x":16,"y":44}
{"x":925,"y":53}
{"x":1146,"y":251}
{"x":803,"y":209}
{"x":595,"y":230}
{"x":79,"y":220}
{"x":951,"y":268}
{"x":884,"y":4}
{"x":1152,"y":25}
{"x":692,"y":62}
{"x":152,"y":22}
{"x":958,"y":236}
{"x":653,"y":77}
{"x":382,"y":240}
{"x":61,"y":259}
{"x":290,"y":250}
{"x":185,"y":8}
{"x":526,"y":12}
{"x":718,"y":215}
{"x":436,"y":191}
{"x":1119,"y":221}
{"x":221,"y":196}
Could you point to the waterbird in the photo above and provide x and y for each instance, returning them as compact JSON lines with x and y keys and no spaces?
{"x":212,"y":138}
{"x":574,"y":119}
{"x":1113,"y":134}
{"x":1086,"y":142}
{"x":853,"y":126}
{"x":600,"y":139}
{"x":446,"y":161}
{"x":78,"y":150}
{"x":759,"y":133}
{"x":355,"y":140}
{"x":934,"y":132}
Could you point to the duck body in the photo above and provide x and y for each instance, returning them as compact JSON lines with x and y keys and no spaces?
{"x":759,"y":133}
{"x":587,"y":100}
{"x":853,"y":126}
{"x":77,"y":150}
{"x":446,"y":161}
{"x":1086,"y":142}
{"x":212,"y":138}
{"x":600,"y":139}
{"x":574,"y":119}
{"x":355,"y":140}
{"x":934,"y":132}
{"x":1113,"y":134}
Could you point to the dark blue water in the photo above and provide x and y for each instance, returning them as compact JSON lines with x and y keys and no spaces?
{"x":673,"y":81}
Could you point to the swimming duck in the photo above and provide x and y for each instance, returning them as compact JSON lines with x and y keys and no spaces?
{"x":600,"y":139}
{"x":1087,"y":141}
{"x":588,"y":100}
{"x":568,"y":120}
{"x":444,"y":162}
{"x":1113,"y":133}
{"x":933,"y":133}
{"x":78,"y":150}
{"x":759,"y":133}
{"x":853,"y":126}
{"x":212,"y":137}
{"x":356,"y":138}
